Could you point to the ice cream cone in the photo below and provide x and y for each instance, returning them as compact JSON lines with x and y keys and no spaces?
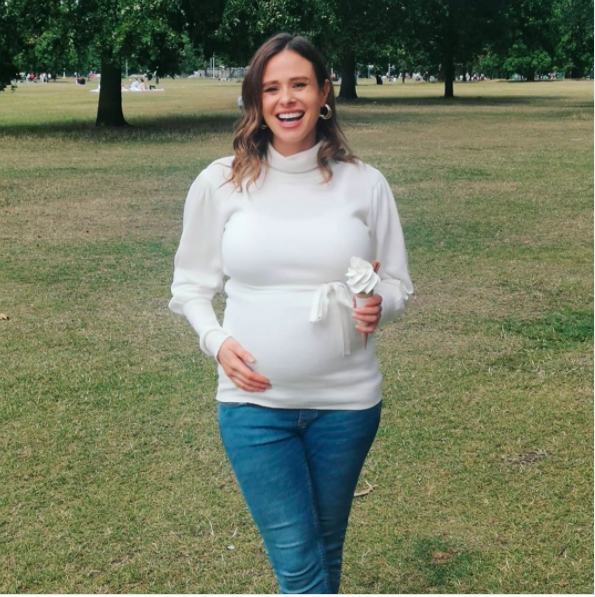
{"x":360,"y":301}
{"x":362,"y":278}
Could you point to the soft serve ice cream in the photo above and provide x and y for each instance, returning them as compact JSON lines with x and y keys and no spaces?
{"x":361,"y":278}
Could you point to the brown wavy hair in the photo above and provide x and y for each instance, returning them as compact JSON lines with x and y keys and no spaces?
{"x":251,"y":142}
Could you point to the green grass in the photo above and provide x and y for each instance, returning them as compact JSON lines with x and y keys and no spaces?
{"x":112,"y":473}
{"x":556,"y":330}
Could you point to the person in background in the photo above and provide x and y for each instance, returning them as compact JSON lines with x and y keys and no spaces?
{"x":299,"y":393}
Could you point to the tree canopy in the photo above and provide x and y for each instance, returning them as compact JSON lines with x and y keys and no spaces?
{"x":442,"y":37}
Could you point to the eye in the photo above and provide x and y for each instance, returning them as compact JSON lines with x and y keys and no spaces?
{"x":270,"y":89}
{"x":300,"y":85}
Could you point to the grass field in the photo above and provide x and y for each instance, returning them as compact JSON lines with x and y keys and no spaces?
{"x":112,"y":475}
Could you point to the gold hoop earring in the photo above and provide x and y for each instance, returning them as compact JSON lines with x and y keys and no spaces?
{"x":328,"y":113}
{"x":264,"y":126}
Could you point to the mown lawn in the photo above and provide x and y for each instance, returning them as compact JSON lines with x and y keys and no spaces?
{"x":112,"y":475}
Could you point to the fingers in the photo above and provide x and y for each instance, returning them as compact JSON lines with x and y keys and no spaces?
{"x":367,"y":310}
{"x":233,"y":358}
{"x":372,"y":318}
{"x":370,"y":308}
{"x":374,"y":300}
{"x":238,"y":366}
{"x":246,"y":379}
{"x":249,"y":376}
{"x":369,"y":325}
{"x":247,"y":384}
{"x":368,"y":315}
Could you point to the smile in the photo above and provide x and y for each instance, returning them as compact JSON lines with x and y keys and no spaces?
{"x":290,"y":119}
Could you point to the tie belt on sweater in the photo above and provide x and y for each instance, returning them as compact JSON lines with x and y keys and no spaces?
{"x":320,"y":303}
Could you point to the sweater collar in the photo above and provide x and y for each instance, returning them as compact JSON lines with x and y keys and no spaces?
{"x":305,"y":161}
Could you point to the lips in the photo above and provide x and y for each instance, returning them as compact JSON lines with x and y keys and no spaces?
{"x":290,"y":116}
{"x":290,"y":120}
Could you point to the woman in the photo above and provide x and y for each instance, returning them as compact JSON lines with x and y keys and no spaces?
{"x":299,"y":395}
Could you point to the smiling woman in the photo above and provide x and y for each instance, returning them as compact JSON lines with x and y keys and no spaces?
{"x":291,"y":104}
{"x":299,"y":395}
{"x":287,"y":77}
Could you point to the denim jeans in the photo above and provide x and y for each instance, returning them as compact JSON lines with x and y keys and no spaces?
{"x":298,"y":470}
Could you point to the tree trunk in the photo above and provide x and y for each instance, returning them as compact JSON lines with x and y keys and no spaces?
{"x":347,"y":91}
{"x":448,"y":58}
{"x":449,"y":74}
{"x":109,"y":111}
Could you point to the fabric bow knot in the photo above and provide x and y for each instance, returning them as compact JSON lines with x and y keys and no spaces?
{"x":321,"y":303}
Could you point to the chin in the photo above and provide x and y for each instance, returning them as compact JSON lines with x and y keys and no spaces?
{"x":300,"y":140}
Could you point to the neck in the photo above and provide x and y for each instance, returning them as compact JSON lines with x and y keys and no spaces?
{"x":303,"y":161}
{"x":289,"y":149}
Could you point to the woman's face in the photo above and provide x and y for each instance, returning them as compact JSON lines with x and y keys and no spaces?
{"x":291,"y":102}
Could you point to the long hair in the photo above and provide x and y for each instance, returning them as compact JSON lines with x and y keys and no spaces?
{"x":250,"y":142}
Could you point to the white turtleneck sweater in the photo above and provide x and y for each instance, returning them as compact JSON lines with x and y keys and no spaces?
{"x":286,"y":244}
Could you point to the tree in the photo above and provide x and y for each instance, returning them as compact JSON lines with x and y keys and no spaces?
{"x":533,"y":37}
{"x":149,"y":33}
{"x":9,"y":45}
{"x":447,"y":33}
{"x":544,"y":36}
{"x":575,"y":47}
{"x":361,"y":32}
{"x":246,"y":24}
{"x":146,"y":31}
{"x":347,"y":33}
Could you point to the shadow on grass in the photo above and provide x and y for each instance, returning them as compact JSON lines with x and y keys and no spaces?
{"x":161,"y":129}
{"x":436,"y":566}
{"x":533,"y":100}
{"x":561,"y":329}
{"x":174,"y":128}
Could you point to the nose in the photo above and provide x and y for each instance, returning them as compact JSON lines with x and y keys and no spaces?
{"x":287,"y":95}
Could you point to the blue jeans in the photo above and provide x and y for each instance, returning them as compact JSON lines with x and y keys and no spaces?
{"x":298,"y":469}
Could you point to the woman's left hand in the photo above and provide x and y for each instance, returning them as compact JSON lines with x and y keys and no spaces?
{"x":369,"y":314}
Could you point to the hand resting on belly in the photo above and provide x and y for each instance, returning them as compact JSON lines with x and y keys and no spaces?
{"x":232,"y":357}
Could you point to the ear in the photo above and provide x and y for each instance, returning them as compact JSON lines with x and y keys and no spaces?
{"x":326,"y":88}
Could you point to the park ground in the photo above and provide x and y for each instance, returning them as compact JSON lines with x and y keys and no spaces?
{"x":112,"y":474}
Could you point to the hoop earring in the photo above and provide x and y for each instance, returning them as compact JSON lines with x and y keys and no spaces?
{"x":328,"y":113}
{"x":264,"y":126}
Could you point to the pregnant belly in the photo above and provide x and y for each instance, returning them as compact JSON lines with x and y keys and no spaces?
{"x":288,"y":348}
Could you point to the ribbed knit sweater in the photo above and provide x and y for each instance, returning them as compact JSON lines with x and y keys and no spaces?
{"x":285,"y":244}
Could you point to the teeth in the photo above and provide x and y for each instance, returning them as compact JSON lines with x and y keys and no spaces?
{"x":290,"y":115}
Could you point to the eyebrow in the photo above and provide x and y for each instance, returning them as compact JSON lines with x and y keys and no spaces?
{"x":291,"y":80}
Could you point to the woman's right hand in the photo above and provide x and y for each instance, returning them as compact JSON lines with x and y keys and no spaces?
{"x":232,"y":357}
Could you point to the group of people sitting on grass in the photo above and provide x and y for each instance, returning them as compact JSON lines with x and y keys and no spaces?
{"x":137,"y":85}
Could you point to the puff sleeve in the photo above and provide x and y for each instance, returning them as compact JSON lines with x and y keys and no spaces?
{"x":198,"y":264}
{"x":389,"y":245}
